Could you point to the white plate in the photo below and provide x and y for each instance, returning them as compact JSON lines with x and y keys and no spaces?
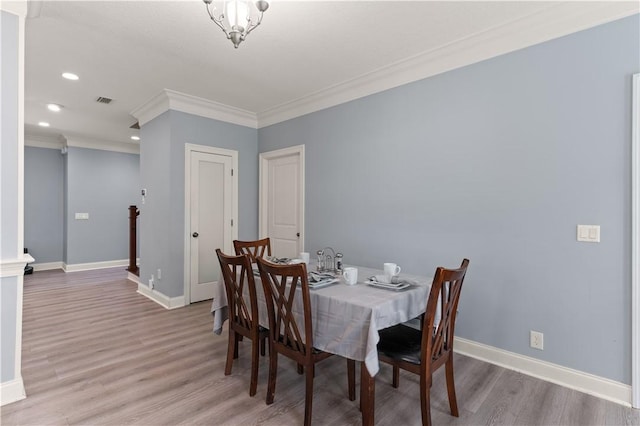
{"x":395,"y":287}
{"x":322,"y":283}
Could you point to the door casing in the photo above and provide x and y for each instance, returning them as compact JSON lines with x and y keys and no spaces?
{"x":188,"y":149}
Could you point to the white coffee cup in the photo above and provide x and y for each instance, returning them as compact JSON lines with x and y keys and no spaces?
{"x":350,"y":275}
{"x":305,"y":257}
{"x":391,"y":270}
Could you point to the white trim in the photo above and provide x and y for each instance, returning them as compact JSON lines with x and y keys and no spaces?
{"x":559,"y":19}
{"x":12,"y":391}
{"x":94,"y":265}
{"x":161,"y":299}
{"x":103,"y":145}
{"x":584,"y":382}
{"x":263,"y":189}
{"x":14,"y":267}
{"x":170,"y":99}
{"x":47,"y":266}
{"x":20,"y":183}
{"x":14,"y":7}
{"x":635,"y":243}
{"x":188,"y":149}
{"x":44,"y":141}
{"x":133,"y":277}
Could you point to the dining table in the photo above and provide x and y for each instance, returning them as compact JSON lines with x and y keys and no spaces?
{"x":346,"y":319}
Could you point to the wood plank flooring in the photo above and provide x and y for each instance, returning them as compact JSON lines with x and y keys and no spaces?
{"x":97,"y":353}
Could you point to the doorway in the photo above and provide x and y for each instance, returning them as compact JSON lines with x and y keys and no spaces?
{"x":211,"y":206}
{"x":282,"y":200}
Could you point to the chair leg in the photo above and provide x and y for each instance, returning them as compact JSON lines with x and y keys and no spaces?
{"x":451,"y":387}
{"x":263,"y":344}
{"x":238,"y":338}
{"x":308,"y":398}
{"x":254,"y":367}
{"x":231,"y":352}
{"x":396,"y":376}
{"x":351,"y":379}
{"x":273,"y":372}
{"x":425,"y":400}
{"x":300,"y":369}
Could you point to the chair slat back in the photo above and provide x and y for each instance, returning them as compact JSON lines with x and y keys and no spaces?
{"x":283,"y":285}
{"x":437,"y":339}
{"x":254,"y":249}
{"x":237,"y":273}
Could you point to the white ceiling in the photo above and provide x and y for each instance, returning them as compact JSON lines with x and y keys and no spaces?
{"x":305,"y":56}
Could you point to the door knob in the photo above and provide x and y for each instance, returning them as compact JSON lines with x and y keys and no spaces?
{"x":195,"y":235}
{"x":297,"y":234}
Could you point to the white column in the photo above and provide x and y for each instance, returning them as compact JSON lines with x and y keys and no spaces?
{"x":12,"y":258}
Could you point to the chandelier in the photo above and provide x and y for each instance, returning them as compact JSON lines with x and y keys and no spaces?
{"x":237,"y":18}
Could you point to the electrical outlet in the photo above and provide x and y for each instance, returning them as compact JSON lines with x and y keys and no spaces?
{"x":159,"y":275}
{"x":151,"y":282}
{"x":536,"y":340}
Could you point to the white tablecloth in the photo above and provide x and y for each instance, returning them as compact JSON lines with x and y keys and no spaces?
{"x":346,"y":318}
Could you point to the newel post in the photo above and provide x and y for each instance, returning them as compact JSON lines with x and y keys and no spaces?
{"x":133,"y":218}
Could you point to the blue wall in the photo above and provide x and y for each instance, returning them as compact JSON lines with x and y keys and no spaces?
{"x":103,"y":184}
{"x":43,"y":203}
{"x":162,"y":171}
{"x":498,"y":162}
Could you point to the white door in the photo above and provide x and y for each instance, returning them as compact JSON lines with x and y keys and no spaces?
{"x":282,"y":200}
{"x":210,"y":222}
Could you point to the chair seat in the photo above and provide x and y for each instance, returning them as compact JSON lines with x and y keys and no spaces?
{"x":401,"y":343}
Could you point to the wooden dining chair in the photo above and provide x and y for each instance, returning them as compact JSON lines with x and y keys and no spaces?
{"x":283,"y":286}
{"x":254,"y":249}
{"x":424,"y":351}
{"x":243,"y":313}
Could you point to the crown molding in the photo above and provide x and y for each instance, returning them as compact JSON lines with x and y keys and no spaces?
{"x":62,"y":142}
{"x":152,"y":108}
{"x":84,"y":142}
{"x":557,"y":20}
{"x":172,"y":100}
{"x":44,"y":141}
{"x":15,"y":7}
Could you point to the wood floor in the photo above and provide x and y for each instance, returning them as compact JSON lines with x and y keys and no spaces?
{"x":97,"y":353}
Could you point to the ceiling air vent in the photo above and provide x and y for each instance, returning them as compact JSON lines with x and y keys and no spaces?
{"x":103,"y":100}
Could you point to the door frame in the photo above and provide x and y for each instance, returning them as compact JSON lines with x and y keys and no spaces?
{"x":188,"y":149}
{"x":263,"y":191}
{"x":635,"y":244}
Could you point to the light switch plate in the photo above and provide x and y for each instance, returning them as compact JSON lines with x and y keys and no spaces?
{"x":589,"y":233}
{"x":82,"y":216}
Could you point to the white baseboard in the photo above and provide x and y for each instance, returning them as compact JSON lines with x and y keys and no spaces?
{"x":161,"y":299}
{"x":94,"y":265}
{"x":133,"y":277}
{"x":584,"y":382}
{"x":47,"y":266}
{"x":12,"y":391}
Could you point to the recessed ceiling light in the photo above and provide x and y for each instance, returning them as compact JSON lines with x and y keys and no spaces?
{"x":54,"y":107}
{"x":43,"y":124}
{"x":135,"y":138}
{"x":70,"y":76}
